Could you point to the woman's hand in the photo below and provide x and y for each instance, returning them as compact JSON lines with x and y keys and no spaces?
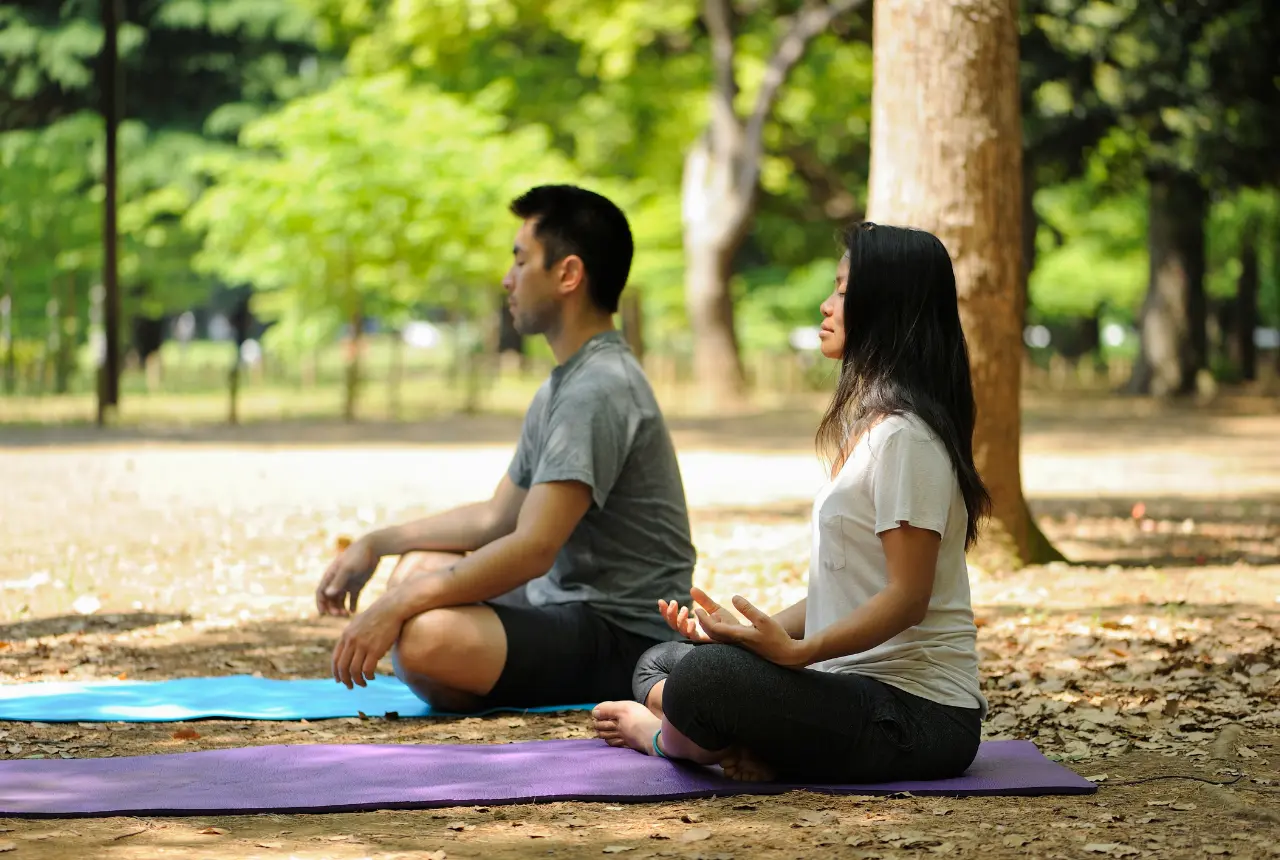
{"x":765,"y":637}
{"x":684,"y":622}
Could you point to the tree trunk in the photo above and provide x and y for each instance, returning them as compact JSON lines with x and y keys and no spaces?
{"x":714,"y":212}
{"x":1172,"y":325}
{"x":395,"y":374}
{"x":717,"y":365}
{"x":109,"y":382}
{"x":233,"y":390}
{"x":946,"y":157}
{"x":351,"y":386}
{"x":1246,"y":315}
{"x":633,"y":322}
{"x":6,"y":341}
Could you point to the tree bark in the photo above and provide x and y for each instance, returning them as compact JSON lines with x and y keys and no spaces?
{"x":1172,"y":323}
{"x":946,"y":156}
{"x":1246,"y":315}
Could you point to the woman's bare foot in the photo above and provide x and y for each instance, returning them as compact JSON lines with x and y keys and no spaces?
{"x":626,"y":724}
{"x":741,"y":765}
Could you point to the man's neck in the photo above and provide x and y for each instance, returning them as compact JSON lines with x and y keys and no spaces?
{"x":569,"y":338}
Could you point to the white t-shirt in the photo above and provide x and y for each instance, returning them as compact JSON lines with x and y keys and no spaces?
{"x":898,"y":472}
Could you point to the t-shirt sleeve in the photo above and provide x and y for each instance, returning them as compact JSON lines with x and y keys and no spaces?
{"x":912,"y":481}
{"x":587,"y":439}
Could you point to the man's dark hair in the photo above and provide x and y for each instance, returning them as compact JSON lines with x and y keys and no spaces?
{"x":573,"y":220}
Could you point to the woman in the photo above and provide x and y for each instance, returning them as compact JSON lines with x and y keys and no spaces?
{"x":874,"y":675}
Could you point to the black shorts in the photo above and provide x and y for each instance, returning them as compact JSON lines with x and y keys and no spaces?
{"x":562,"y":654}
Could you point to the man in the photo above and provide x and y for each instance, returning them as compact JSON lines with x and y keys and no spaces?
{"x":546,"y":593}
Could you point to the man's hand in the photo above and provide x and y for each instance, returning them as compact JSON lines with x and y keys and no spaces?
{"x":765,"y":637}
{"x":339,"y":589}
{"x":366,"y":640}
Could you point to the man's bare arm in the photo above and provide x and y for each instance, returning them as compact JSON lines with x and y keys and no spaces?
{"x":461,"y":530}
{"x":549,"y":515}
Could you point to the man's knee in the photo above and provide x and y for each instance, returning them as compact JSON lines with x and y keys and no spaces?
{"x":426,"y":641}
{"x":413,"y":564}
{"x":461,"y":648}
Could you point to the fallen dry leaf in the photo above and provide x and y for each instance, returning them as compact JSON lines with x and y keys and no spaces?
{"x":1245,"y":752}
{"x":212,"y":831}
{"x":7,"y":846}
{"x":697,"y":834}
{"x":271,"y":844}
{"x":1215,"y":849}
{"x":1016,"y":841}
{"x":1183,"y":807}
{"x":185,"y":734}
{"x":436,"y":855}
{"x":618,"y":849}
{"x":691,"y":818}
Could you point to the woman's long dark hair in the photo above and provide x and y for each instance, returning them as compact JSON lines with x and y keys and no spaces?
{"x":904,"y":352}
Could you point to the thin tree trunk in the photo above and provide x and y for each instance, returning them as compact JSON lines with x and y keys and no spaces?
{"x":233,"y":389}
{"x":633,"y":322}
{"x":6,"y":339}
{"x":351,"y":386}
{"x":109,"y":384}
{"x":1246,"y":315}
{"x":395,"y":374}
{"x":946,"y":156}
{"x":1172,"y":322}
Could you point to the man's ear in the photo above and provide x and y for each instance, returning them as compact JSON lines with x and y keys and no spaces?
{"x":572,"y":273}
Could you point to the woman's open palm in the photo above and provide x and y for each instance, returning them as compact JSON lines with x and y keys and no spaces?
{"x":684,"y":622}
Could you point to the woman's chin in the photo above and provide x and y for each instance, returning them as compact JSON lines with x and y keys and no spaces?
{"x":829,"y":351}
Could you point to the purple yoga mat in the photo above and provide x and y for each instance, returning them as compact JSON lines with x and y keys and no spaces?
{"x":355,"y":777}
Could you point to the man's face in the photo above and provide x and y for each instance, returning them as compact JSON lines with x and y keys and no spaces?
{"x":532,"y":290}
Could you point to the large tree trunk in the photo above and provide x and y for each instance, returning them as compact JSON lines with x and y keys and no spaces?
{"x":946,"y":156}
{"x":1172,"y":325}
{"x":632,"y":311}
{"x":1245,"y":351}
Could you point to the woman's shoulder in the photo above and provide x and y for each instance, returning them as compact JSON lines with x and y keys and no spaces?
{"x":901,"y":427}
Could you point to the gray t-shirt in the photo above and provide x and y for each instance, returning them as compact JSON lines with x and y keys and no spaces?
{"x":595,"y":420}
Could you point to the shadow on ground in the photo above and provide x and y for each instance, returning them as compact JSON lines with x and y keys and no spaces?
{"x":61,"y":625}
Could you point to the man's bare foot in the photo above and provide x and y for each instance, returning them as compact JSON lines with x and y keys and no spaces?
{"x":626,"y":724}
{"x":741,"y":765}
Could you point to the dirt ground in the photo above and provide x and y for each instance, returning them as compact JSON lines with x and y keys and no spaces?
{"x":1151,"y":664}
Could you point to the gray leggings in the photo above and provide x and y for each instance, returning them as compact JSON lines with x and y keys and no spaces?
{"x":809,"y":726}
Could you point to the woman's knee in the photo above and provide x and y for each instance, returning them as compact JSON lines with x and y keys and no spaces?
{"x":655,"y":665}
{"x":710,"y":673}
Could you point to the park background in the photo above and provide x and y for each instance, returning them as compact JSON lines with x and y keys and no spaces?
{"x":250,"y":254}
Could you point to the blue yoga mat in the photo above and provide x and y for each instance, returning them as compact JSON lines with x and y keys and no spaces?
{"x":236,"y":697}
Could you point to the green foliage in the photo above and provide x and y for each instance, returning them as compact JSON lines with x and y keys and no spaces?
{"x":1231,"y":219}
{"x":1090,"y":251}
{"x":372,"y":196}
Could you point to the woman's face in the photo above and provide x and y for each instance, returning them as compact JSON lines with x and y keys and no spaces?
{"x":831,"y":335}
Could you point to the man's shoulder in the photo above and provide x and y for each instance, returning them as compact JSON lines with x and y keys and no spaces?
{"x":611,"y":379}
